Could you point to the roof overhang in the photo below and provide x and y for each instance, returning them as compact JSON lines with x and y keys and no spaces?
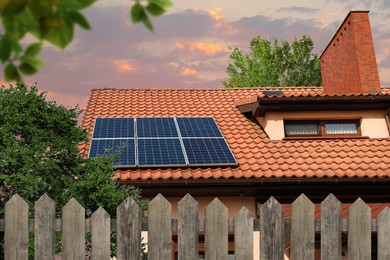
{"x":266,"y":104}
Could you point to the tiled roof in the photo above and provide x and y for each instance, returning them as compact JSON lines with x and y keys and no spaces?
{"x":258,"y":157}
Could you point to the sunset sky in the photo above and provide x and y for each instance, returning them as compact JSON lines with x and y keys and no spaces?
{"x":190,"y":45}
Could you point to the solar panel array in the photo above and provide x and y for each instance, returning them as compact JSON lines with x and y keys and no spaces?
{"x":164,"y":141}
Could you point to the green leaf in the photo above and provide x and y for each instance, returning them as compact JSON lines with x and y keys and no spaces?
{"x":16,"y":47}
{"x":11,"y":72}
{"x":12,"y":7}
{"x":148,"y":23}
{"x":13,"y":27}
{"x":80,"y":19}
{"x":33,"y":61}
{"x":33,"y":49}
{"x":162,"y":3}
{"x":57,"y":31}
{"x":5,"y":47}
{"x":155,"y":9}
{"x":27,"y":69}
{"x":137,"y":13}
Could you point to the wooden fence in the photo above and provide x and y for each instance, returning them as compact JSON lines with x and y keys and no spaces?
{"x":274,"y":230}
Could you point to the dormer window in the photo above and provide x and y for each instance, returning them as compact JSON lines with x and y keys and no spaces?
{"x":322,"y":128}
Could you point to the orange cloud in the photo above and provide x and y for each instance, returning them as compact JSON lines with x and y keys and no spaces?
{"x":205,"y":47}
{"x":124,"y":65}
{"x":188,"y":72}
{"x":174,"y":64}
{"x":216,"y":13}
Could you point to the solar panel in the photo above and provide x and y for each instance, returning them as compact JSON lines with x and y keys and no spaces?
{"x":123,"y":148}
{"x":210,"y":151}
{"x":156,"y":152}
{"x":114,"y":128}
{"x":198,"y":127}
{"x":270,"y":93}
{"x":156,"y":127}
{"x":164,"y":141}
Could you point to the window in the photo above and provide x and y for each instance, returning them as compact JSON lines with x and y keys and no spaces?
{"x":322,"y":128}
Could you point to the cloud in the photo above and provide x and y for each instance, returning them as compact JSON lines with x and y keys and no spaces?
{"x":189,"y":72}
{"x":216,"y":13}
{"x":205,"y":47}
{"x":298,"y":9}
{"x":124,"y":65}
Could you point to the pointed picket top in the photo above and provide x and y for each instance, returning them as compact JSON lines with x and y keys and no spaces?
{"x":188,"y":200}
{"x":100,"y":213}
{"x":159,"y":228}
{"x":271,"y":230}
{"x":243,"y":234}
{"x":302,"y":228}
{"x":72,"y":204}
{"x":127,"y":203}
{"x":270,"y":204}
{"x":359,"y":230}
{"x":217,"y":204}
{"x":187,"y":228}
{"x":100,"y":234}
{"x":73,"y":230}
{"x":160,"y":199}
{"x":128,"y":229}
{"x":44,"y":200}
{"x":384,"y":234}
{"x":331,"y":229}
{"x":16,"y":200}
{"x":45,"y":217}
{"x":216,"y":233}
{"x":16,"y":229}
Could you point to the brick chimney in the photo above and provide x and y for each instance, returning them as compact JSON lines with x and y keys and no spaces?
{"x":348,"y":64}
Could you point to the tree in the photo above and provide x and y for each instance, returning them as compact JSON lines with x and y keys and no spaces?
{"x":52,"y":22}
{"x":38,"y":154}
{"x":274,"y":64}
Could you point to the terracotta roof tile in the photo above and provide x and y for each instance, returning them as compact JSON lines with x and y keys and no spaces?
{"x":258,"y":157}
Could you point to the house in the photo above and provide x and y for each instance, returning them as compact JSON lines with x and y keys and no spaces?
{"x":285,"y":141}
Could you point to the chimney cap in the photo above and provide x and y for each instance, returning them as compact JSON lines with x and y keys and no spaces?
{"x":339,"y":28}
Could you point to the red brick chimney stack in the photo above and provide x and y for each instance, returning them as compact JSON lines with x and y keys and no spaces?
{"x":348,"y":64}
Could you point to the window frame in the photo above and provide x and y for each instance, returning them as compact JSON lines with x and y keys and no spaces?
{"x":321,"y":134}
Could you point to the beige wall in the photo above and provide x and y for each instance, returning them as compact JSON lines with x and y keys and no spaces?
{"x":234,"y":204}
{"x":373,"y":123}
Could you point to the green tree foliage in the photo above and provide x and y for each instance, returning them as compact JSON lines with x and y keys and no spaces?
{"x":51,"y":21}
{"x":274,"y":64}
{"x":38,"y":154}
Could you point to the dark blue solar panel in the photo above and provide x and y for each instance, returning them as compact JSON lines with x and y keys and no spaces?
{"x":208,"y":151}
{"x":154,"y":152}
{"x":114,"y":128}
{"x":156,"y":127}
{"x":198,"y":127}
{"x":123,"y":148}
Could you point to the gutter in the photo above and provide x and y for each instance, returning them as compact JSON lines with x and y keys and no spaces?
{"x":253,"y":182}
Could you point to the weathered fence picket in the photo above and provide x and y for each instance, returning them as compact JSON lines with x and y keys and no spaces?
{"x":274,"y":231}
{"x":159,"y":229}
{"x":216,"y":233}
{"x":271,"y":230}
{"x":243,"y":235}
{"x":302,"y":229}
{"x":73,"y":231}
{"x":100,"y":234}
{"x":384,"y":234}
{"x":359,"y":230}
{"x":188,"y":228}
{"x":16,"y":229}
{"x":45,"y":229}
{"x":331,"y":228}
{"x":128,"y":229}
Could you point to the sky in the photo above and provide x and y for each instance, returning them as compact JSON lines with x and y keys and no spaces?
{"x":191,"y":44}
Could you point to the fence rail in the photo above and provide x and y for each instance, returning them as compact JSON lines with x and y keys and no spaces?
{"x":301,"y":230}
